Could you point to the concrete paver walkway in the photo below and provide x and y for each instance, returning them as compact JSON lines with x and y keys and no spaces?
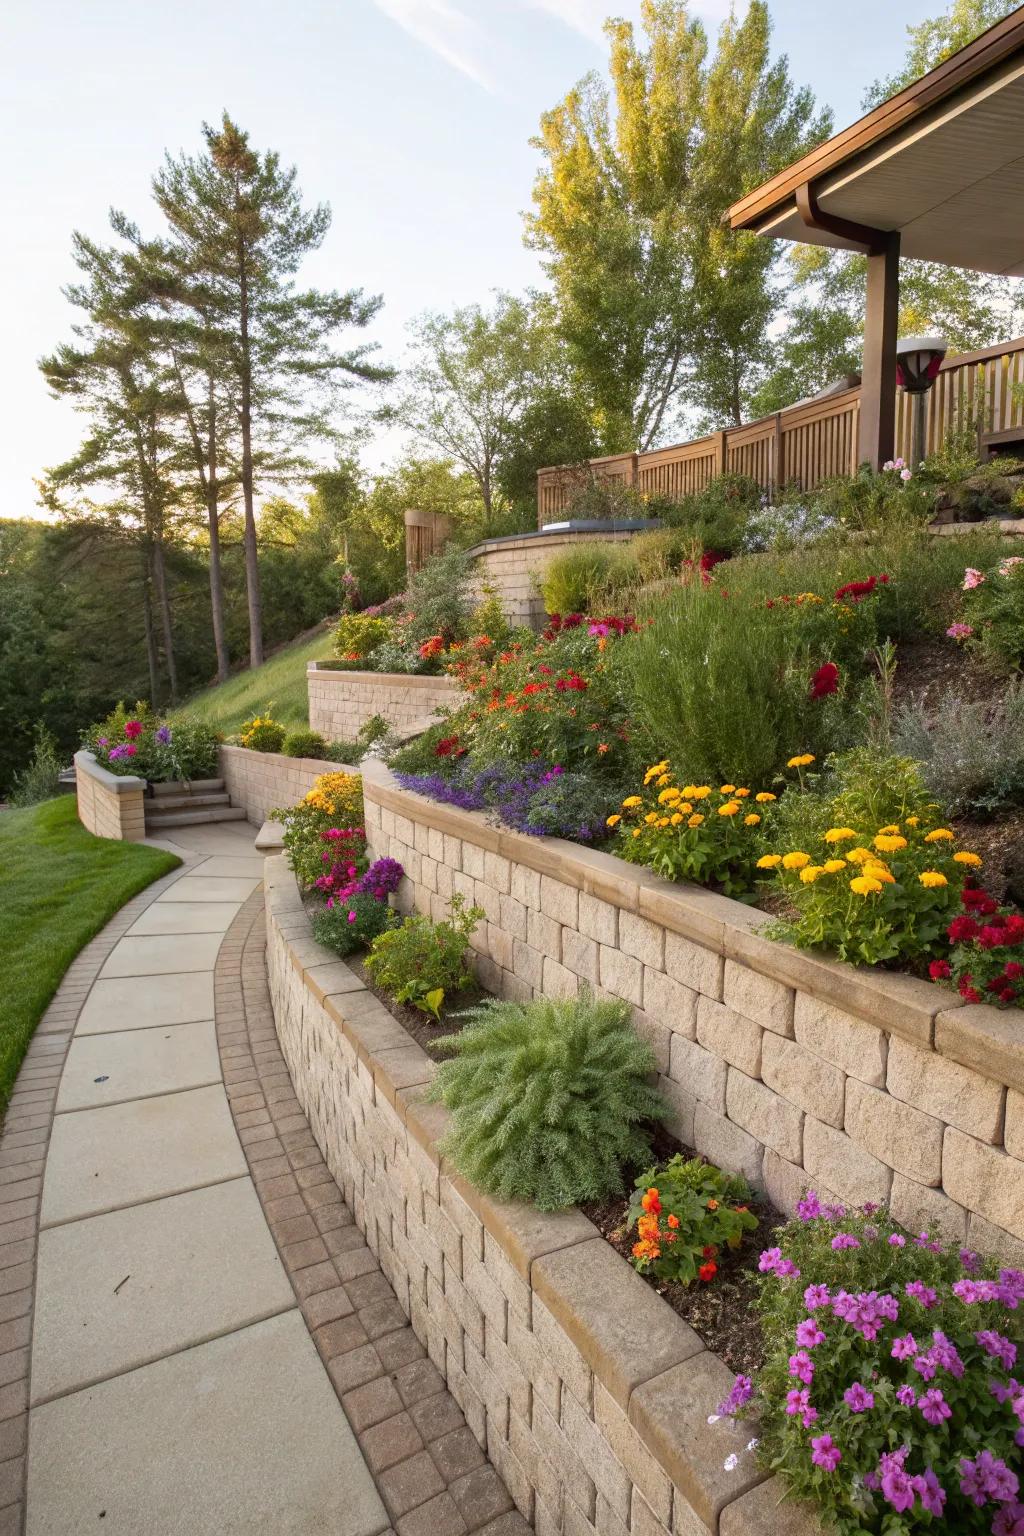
{"x":174,"y":1384}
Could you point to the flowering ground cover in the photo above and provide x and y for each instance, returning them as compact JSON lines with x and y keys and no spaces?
{"x":58,"y":886}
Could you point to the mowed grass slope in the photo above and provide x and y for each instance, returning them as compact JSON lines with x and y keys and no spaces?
{"x":277,"y":688}
{"x":58,"y":886}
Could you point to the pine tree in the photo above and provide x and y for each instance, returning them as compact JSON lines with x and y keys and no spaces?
{"x":238,"y":223}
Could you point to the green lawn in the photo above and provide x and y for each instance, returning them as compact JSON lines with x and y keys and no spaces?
{"x":58,"y":886}
{"x":277,"y":688}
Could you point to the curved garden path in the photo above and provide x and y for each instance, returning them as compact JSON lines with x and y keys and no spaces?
{"x":194,"y":1337}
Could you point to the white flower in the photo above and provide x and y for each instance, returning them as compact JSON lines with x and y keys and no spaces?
{"x":753,"y":1444}
{"x":731,"y":1462}
{"x":713,"y":1418}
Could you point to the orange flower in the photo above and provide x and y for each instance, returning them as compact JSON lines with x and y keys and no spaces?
{"x":708,"y":1271}
{"x":673,"y":1221}
{"x":712,"y":1205}
{"x":651,"y":1201}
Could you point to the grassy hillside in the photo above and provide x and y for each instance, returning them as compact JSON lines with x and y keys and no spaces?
{"x":278,"y":687}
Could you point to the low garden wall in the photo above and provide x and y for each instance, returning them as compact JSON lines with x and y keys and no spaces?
{"x":265,"y":781}
{"x":513,"y":565}
{"x":109,"y":805}
{"x":589,"y":1394}
{"x":778,"y":1063}
{"x":341,"y":702}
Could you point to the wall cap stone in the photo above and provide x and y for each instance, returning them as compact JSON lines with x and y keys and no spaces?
{"x":380,"y":679}
{"x":114,"y":783}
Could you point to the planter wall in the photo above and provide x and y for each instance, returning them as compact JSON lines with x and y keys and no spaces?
{"x":266,"y":781}
{"x":589,"y":1394}
{"x":340,"y":703}
{"x":109,"y":805}
{"x":790,"y":1068}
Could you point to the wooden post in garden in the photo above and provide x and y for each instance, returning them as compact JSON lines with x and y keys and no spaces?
{"x":425,"y":534}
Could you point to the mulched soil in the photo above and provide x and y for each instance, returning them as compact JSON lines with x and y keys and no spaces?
{"x":423,"y":1029}
{"x":722,"y":1313}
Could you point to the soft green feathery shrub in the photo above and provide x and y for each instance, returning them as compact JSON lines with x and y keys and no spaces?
{"x":549,"y":1100}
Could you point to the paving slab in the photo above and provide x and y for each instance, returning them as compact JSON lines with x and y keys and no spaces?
{"x":213,"y":888}
{"x":245,"y":866}
{"x":185,"y":917}
{"x":138,"y":1063}
{"x":146,"y":1002}
{"x":230,"y":837}
{"x":103,"y":1159}
{"x":163,"y":955}
{"x":117,"y":1291}
{"x":240,"y":1435}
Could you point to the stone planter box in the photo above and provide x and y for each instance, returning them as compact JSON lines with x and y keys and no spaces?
{"x":589,"y":1394}
{"x":109,"y":804}
{"x":515,"y":564}
{"x":268,"y":781}
{"x":784,"y":1065}
{"x":341,"y":702}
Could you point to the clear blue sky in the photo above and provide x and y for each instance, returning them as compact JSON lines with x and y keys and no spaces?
{"x":410,"y":117}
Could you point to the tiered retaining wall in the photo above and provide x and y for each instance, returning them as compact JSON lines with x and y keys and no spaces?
{"x":268,"y":781}
{"x":341,"y":702}
{"x":791,"y":1068}
{"x":108,"y":805}
{"x":589,"y":1394}
{"x":513,"y":566}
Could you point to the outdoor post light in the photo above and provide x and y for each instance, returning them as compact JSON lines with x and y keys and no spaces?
{"x":918,"y":360}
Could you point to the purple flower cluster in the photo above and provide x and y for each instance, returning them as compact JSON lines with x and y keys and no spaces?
{"x":539,"y":799}
{"x":382,"y":879}
{"x":739,"y":1397}
{"x":987,"y":1478}
{"x":772,"y":1262}
{"x":866,"y":1311}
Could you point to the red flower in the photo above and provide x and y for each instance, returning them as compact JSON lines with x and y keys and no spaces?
{"x":992,"y":937}
{"x":962,"y":929}
{"x":707,"y":1272}
{"x":977,"y":901}
{"x":967,"y":991}
{"x":825,"y":680}
{"x":1007,"y":995}
{"x":133,"y":728}
{"x":939,"y":970}
{"x":855,"y":590}
{"x":1014,"y":970}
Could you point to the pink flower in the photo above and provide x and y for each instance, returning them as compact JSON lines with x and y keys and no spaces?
{"x":802,"y":1367}
{"x":858,"y":1399}
{"x":934,"y":1406}
{"x":808,"y":1334}
{"x":960,"y":631}
{"x":972,"y":578}
{"x":132,"y":729}
{"x":825,"y":1453}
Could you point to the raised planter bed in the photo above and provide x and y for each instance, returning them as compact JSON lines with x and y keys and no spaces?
{"x":109,"y":804}
{"x":590,"y":1395}
{"x":341,"y":702}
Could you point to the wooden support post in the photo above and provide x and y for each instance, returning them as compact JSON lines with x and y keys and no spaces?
{"x":878,"y":387}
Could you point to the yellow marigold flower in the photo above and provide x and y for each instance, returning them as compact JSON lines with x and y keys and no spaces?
{"x":801,"y":761}
{"x":913,"y":821}
{"x":858,"y":855}
{"x":764,"y":797}
{"x":663,"y":779}
{"x":631,"y":802}
{"x":695,"y":821}
{"x":811,"y":873}
{"x":890,"y":843}
{"x":729,"y":808}
{"x":795,"y":860}
{"x":689,"y":790}
{"x":932,"y":878}
{"x":833,"y":866}
{"x":675,"y":818}
{"x":741,"y":794}
{"x":667,"y":795}
{"x":769,"y":861}
{"x":685,"y":808}
{"x":839,"y":834}
{"x":893,"y":831}
{"x":879,"y":872}
{"x":865,"y":885}
{"x":967,"y":858}
{"x":751,"y":820}
{"x":613,"y":821}
{"x":728,"y":789}
{"x":636,"y":831}
{"x":651,"y":818}
{"x":701,"y":792}
{"x":940,"y":835}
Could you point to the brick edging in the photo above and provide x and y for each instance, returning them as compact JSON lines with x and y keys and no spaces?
{"x":24,"y":1143}
{"x":430,"y":1472}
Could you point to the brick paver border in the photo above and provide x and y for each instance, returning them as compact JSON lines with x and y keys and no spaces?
{"x":23,"y":1147}
{"x":430,"y":1471}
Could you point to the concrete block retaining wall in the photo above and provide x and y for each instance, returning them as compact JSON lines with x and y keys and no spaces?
{"x":514,"y":565}
{"x":341,"y":702}
{"x":268,"y":781}
{"x":109,"y":805}
{"x":791,"y":1068}
{"x":589,"y":1394}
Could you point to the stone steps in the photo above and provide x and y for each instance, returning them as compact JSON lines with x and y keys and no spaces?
{"x":190,"y":816}
{"x":191,"y":787}
{"x":201,"y":800}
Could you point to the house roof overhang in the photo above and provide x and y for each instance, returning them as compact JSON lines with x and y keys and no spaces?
{"x":942,"y":163}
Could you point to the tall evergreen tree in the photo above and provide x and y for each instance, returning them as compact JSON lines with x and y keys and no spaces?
{"x":237,"y":219}
{"x":657,"y":301}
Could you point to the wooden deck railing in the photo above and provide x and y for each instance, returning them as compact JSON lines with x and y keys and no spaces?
{"x":806,"y":443}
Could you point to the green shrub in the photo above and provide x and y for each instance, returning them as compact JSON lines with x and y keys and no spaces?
{"x":971,"y":752}
{"x":992,"y":611}
{"x":352,"y":924}
{"x":347,"y":752}
{"x":262,"y":734}
{"x":358,"y":635}
{"x":304,"y":744}
{"x":685,"y":1212}
{"x":437,"y":599}
{"x":864,"y":786}
{"x":717,"y":517}
{"x":422,"y":963}
{"x":182,"y":749}
{"x":548,"y":1100}
{"x":375,"y":729}
{"x":586,"y":578}
{"x":40,"y":778}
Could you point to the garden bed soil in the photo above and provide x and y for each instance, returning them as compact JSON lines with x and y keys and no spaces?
{"x":723,"y":1313}
{"x":927,"y":671}
{"x":421,"y":1026}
